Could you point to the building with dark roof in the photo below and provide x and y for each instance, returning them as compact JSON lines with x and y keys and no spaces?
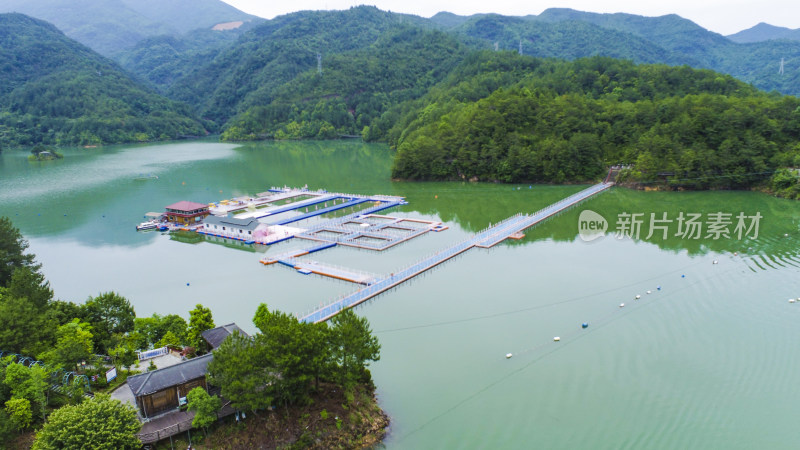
{"x":186,"y":213}
{"x":231,"y":227}
{"x":215,"y":336}
{"x":162,"y":390}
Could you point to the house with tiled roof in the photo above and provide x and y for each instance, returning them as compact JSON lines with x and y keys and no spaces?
{"x":186,"y":213}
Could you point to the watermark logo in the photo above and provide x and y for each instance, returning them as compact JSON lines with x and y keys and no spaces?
{"x":591,"y":225}
{"x":685,"y":226}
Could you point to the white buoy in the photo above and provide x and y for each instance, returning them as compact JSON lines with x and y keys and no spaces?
{"x":791,"y":300}
{"x":735,"y":253}
{"x":638,"y":297}
{"x":509,"y":355}
{"x":715,"y":262}
{"x":622,"y":305}
{"x":649,"y":292}
{"x":556,"y":339}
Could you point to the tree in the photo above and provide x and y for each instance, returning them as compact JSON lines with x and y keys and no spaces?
{"x":73,"y":345}
{"x":60,"y":312}
{"x":243,"y":373}
{"x":205,"y":407}
{"x":97,"y":423}
{"x":169,"y":340}
{"x":29,"y":383}
{"x":12,"y":251}
{"x":19,"y":411}
{"x":20,"y":325}
{"x":29,"y":283}
{"x":296,"y":350}
{"x":352,"y":346}
{"x":74,"y":390}
{"x":155,"y":327}
{"x":123,"y":355}
{"x":199,"y":320}
{"x":109,"y":313}
{"x":175,"y":324}
{"x":147,"y":328}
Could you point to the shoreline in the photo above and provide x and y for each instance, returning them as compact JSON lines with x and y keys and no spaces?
{"x":333,"y":419}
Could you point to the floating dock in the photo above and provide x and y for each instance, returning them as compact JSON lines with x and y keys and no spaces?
{"x":371,"y":231}
{"x":487,"y":238}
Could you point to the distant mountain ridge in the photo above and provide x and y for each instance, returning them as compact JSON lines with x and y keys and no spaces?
{"x":765,"y":32}
{"x":677,"y":40}
{"x":108,"y":26}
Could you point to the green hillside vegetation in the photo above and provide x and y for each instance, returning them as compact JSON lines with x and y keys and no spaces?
{"x":755,"y":63}
{"x":562,"y":39}
{"x":353,"y":89}
{"x":57,"y":92}
{"x":567,"y":121}
{"x":250,"y":72}
{"x":162,"y":60}
{"x":108,"y":26}
{"x":251,"y":78}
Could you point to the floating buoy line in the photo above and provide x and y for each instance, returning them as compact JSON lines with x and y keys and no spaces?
{"x":585,"y":325}
{"x":537,"y":307}
{"x":553,"y":348}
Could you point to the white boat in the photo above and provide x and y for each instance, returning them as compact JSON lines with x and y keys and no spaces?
{"x":149,"y":225}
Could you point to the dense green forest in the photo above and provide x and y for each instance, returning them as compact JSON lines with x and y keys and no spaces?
{"x":509,"y":118}
{"x":353,"y":88}
{"x":55,"y":91}
{"x":274,"y":53}
{"x":164,"y":59}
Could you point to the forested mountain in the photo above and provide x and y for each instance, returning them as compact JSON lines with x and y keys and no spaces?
{"x":354,"y":88}
{"x":249,"y":72}
{"x":56,"y":91}
{"x":516,"y":119}
{"x":755,"y":63}
{"x":108,"y":26}
{"x":562,"y":39}
{"x":164,"y":59}
{"x":451,"y":107}
{"x":764,"y":32}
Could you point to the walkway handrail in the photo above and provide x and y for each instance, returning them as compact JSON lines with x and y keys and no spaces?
{"x":486,"y":237}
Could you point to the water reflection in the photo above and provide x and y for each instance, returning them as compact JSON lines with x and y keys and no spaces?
{"x":96,"y":196}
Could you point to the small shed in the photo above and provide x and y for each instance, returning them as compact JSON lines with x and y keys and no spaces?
{"x":215,"y":336}
{"x":162,"y":390}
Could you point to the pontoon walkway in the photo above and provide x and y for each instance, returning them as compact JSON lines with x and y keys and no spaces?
{"x":485,"y":239}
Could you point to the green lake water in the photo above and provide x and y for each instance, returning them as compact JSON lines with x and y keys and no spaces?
{"x":709,"y":361}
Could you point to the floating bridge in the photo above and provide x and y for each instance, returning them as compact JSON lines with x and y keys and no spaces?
{"x":508,"y":228}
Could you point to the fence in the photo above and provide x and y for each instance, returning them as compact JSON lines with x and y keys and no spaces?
{"x":148,"y":354}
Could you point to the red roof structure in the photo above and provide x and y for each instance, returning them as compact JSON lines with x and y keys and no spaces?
{"x":186,"y":206}
{"x":186,"y":213}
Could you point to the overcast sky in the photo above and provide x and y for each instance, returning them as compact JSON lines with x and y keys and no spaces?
{"x":722,"y":16}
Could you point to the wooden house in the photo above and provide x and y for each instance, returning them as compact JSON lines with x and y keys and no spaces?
{"x":164,"y":390}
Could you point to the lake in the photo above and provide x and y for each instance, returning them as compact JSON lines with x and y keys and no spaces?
{"x":706,"y":361}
